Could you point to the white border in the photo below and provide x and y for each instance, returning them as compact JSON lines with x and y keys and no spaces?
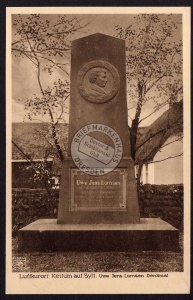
{"x":176,"y":282}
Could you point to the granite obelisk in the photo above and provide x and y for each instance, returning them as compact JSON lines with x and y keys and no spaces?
{"x":98,"y":186}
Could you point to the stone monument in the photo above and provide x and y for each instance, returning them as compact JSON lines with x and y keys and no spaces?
{"x":98,"y":205}
{"x":98,"y":181}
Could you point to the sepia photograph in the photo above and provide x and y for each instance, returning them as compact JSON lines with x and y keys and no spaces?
{"x":98,"y":150}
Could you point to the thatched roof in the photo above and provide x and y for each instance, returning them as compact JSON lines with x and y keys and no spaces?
{"x":34,"y":139}
{"x":169,"y":124}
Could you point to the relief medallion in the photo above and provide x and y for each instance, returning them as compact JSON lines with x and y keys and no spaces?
{"x":98,"y":81}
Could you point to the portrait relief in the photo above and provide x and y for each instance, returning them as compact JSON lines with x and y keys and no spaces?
{"x":98,"y":81}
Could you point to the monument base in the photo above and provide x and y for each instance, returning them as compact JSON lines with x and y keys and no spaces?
{"x":149,"y":235}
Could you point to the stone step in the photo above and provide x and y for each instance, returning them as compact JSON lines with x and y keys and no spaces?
{"x":151,"y":234}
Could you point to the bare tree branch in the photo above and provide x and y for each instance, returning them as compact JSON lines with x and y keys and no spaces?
{"x":62,"y":111}
{"x":25,"y":54}
{"x":59,"y":65}
{"x":180,"y":138}
{"x":131,"y":107}
{"x":54,"y":49}
{"x":40,"y":133}
{"x":164,"y":74}
{"x":162,"y":130}
{"x":169,"y":157}
{"x":27,"y":157}
{"x":162,"y":42}
{"x":155,"y":110}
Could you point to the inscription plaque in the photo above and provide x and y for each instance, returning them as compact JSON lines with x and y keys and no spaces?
{"x":105,"y":193}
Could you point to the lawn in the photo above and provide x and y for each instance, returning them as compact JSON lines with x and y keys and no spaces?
{"x":98,"y":261}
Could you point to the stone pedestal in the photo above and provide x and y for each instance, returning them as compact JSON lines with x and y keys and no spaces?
{"x":149,"y":235}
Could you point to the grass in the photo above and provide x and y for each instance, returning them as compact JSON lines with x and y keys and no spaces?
{"x":98,"y":261}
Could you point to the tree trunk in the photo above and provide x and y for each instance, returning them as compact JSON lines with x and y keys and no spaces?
{"x":135,"y":122}
{"x":138,"y":179}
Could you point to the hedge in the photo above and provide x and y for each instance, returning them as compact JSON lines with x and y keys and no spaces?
{"x":164,"y":201}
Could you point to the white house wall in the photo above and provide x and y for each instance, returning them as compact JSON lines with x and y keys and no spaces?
{"x":151,"y":176}
{"x":147,"y":173}
{"x":169,"y":171}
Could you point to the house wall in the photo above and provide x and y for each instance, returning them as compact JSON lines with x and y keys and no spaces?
{"x":169,"y":171}
{"x":147,"y":174}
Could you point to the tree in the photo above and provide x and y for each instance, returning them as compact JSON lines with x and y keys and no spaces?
{"x":154,"y":74}
{"x":46,"y":42}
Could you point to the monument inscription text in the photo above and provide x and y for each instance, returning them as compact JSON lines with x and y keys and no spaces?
{"x":95,"y":193}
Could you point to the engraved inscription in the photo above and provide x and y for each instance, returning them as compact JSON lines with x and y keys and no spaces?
{"x":96,"y":193}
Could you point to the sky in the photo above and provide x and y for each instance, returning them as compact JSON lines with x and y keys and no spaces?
{"x":24,"y":76}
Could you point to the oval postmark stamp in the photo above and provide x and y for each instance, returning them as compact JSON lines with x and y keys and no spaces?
{"x":98,"y":81}
{"x":96,"y":149}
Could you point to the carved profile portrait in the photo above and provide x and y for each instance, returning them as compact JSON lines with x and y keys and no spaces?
{"x":98,"y":81}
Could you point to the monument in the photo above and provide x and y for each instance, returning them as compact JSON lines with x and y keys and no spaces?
{"x":98,"y":205}
{"x":98,"y":181}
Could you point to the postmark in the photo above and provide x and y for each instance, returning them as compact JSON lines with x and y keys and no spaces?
{"x":96,"y":149}
{"x":98,"y":81}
